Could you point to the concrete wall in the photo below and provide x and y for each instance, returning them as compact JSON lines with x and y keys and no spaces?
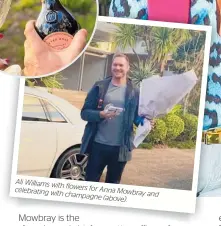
{"x":94,"y":69}
{"x":71,"y":76}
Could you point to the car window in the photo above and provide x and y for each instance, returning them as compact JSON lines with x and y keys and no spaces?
{"x":54,"y":114}
{"x":33,"y":110}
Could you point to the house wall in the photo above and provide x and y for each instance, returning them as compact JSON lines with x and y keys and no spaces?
{"x":93,"y":70}
{"x":71,"y":76}
{"x":140,"y":48}
{"x":105,"y":46}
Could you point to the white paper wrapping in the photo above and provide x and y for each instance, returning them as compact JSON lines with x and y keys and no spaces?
{"x":13,"y":70}
{"x":158,"y":95}
{"x":142,"y":132}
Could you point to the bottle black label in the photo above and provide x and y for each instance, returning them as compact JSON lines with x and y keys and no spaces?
{"x":55,"y":25}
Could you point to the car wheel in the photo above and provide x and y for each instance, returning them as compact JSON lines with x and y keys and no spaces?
{"x":71,"y":165}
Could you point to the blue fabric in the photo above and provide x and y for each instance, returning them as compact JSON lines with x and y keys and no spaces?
{"x":203,"y":12}
{"x":129,"y":8}
{"x":139,"y":120}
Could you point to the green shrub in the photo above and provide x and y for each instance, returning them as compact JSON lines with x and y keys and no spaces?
{"x":158,"y":134}
{"x":182,"y":145}
{"x":177,"y":110}
{"x":146,"y":145}
{"x":5,"y":26}
{"x":24,"y":4}
{"x":175,"y":126}
{"x":190,"y":127}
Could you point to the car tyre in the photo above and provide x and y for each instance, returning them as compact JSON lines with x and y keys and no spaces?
{"x":71,"y":165}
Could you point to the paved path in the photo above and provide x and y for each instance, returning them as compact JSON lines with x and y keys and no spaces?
{"x":163,"y":168}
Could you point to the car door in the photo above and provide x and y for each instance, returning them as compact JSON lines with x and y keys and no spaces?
{"x":66,"y":131}
{"x":38,"y":140}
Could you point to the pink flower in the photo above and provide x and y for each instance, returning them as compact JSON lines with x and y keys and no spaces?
{"x":4,"y":61}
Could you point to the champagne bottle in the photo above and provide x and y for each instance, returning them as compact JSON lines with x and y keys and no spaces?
{"x":55,"y":24}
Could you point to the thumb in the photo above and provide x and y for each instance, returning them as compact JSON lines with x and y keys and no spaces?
{"x":32,"y":36}
{"x":79,"y":42}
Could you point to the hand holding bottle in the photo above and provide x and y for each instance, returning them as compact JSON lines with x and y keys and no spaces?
{"x":41,"y":59}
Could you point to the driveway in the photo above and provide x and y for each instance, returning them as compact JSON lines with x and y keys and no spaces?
{"x":159,"y":167}
{"x":162,"y":168}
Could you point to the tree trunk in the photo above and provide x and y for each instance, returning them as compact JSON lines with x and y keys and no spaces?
{"x":185,"y":107}
{"x":162,"y":66}
{"x":138,"y":58}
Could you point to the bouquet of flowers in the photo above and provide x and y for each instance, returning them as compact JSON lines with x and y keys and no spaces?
{"x":158,"y":95}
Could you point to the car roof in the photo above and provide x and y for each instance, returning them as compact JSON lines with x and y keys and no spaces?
{"x":70,"y":111}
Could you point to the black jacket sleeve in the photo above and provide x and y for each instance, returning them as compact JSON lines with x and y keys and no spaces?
{"x":136,"y":116}
{"x":89,"y":111}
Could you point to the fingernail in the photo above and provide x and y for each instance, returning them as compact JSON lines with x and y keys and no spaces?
{"x":1,"y":35}
{"x":85,"y":31}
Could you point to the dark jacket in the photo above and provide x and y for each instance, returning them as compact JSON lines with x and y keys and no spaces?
{"x":94,"y":104}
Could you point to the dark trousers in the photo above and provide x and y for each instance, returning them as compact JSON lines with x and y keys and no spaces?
{"x":102,"y":155}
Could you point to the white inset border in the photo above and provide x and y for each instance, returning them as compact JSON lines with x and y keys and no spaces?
{"x":153,"y":198}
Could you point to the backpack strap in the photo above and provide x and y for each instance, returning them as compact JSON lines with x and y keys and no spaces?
{"x":102,"y":90}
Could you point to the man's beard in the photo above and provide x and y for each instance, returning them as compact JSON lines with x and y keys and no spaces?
{"x":4,"y":8}
{"x":117,"y":76}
